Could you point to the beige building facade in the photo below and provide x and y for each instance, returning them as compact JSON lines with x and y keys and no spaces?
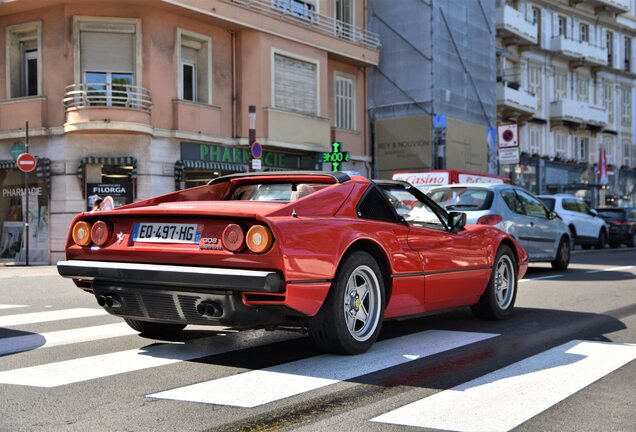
{"x":138,"y":98}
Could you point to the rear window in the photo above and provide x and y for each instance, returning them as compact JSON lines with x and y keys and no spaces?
{"x":277,"y":192}
{"x":611,"y":215}
{"x":462,"y":199}
{"x":549,"y":202}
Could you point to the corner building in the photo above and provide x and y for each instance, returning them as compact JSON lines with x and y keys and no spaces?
{"x":138,"y":98}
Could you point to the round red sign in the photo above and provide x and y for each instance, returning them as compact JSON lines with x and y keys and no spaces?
{"x":26,"y":162}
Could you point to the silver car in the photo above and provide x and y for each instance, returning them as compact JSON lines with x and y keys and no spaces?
{"x":514,"y":210}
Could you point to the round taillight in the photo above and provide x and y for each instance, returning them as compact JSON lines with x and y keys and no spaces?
{"x":82,"y":233}
{"x":100,"y":233}
{"x":233,"y":238}
{"x":259,"y":239}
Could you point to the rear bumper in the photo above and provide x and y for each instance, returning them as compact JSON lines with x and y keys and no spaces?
{"x":201,"y":278}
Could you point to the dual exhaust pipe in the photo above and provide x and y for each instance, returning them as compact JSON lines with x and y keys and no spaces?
{"x":108,"y":301}
{"x":210,"y":309}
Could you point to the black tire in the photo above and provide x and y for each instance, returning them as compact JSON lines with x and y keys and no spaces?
{"x":562,"y":259}
{"x":602,"y":240}
{"x":148,"y":328}
{"x":572,"y":237}
{"x":340,"y":327}
{"x":498,"y":299}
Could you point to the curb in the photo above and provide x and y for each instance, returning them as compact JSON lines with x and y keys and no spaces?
{"x":600,"y":251}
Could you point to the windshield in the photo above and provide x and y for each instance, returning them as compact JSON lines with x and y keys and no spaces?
{"x":462,"y":199}
{"x":549,"y":203}
{"x":277,"y":192}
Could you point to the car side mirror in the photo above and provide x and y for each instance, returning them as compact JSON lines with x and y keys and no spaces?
{"x":552,"y":215}
{"x":456,"y":220}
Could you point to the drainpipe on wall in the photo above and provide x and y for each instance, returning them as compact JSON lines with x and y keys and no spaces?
{"x":233,"y":36}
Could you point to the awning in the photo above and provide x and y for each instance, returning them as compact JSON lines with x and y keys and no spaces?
{"x":42,"y":170}
{"x":181,"y":165}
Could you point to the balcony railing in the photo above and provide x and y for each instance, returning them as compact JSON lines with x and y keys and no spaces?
{"x":107,"y":95}
{"x":515,"y":24}
{"x":516,"y":99}
{"x":285,"y":10}
{"x":617,"y":6}
{"x":579,"y":50}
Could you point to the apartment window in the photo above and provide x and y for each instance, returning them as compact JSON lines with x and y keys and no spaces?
{"x":295,"y":85}
{"x":535,"y":140}
{"x":628,"y":54}
{"x":582,"y":88}
{"x":561,"y":143}
{"x":344,"y":18}
{"x":534,"y":82}
{"x":536,"y":19}
{"x":608,"y":143}
{"x":345,"y":102}
{"x":626,"y":106}
{"x":23,"y":60}
{"x":609,"y":44}
{"x":627,"y":146}
{"x":581,"y":145}
{"x":561,"y":25}
{"x":303,"y":9}
{"x":560,"y":85}
{"x":584,"y":32}
{"x":608,"y":100}
{"x":108,"y":61}
{"x":194,"y":67}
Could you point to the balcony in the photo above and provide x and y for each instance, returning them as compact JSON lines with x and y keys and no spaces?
{"x":514,"y":101}
{"x":107,"y":107}
{"x":14,"y":113}
{"x":579,"y":50}
{"x":511,"y":24}
{"x":578,"y":112}
{"x":613,"y":6}
{"x":287,"y":11}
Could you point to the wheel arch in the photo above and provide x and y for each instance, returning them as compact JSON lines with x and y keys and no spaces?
{"x":381,"y":258}
{"x":508,"y":242}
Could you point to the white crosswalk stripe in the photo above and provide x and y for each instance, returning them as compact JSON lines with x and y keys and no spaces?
{"x":9,"y":306}
{"x":263,"y":386}
{"x":501,"y":400}
{"x":63,"y":337}
{"x":57,"y":315}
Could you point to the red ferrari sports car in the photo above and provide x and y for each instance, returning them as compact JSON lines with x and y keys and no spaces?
{"x":327,"y":252}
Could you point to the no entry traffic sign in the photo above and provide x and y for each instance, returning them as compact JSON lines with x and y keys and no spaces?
{"x":26,"y":162}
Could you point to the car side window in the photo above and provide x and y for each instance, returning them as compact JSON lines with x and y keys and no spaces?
{"x":411,"y":208}
{"x":583,"y":207}
{"x":374,"y":205}
{"x":510,"y":198}
{"x":532,"y":205}
{"x":569,"y":204}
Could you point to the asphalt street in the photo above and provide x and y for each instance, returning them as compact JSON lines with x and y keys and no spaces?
{"x":563,"y":362}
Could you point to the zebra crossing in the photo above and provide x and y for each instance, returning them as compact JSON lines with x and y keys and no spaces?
{"x":521,"y":390}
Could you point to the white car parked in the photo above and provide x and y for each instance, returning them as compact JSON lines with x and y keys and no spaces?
{"x":586,"y":228}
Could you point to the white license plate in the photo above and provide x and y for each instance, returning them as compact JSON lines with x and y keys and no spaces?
{"x":167,"y":232}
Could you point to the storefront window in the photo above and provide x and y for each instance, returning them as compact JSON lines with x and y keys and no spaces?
{"x":115,"y":181}
{"x":12,"y":208}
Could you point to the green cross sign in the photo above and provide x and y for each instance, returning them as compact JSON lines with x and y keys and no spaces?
{"x":335,"y":157}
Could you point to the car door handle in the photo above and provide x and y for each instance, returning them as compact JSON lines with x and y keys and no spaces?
{"x":531,"y":224}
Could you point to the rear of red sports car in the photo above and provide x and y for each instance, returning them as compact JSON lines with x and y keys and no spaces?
{"x":207,"y":255}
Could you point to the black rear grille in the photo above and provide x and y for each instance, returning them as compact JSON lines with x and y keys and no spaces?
{"x":160,"y":306}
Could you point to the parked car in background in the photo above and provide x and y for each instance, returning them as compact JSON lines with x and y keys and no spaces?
{"x":622,"y":225}
{"x":586,"y":228}
{"x":514,"y":210}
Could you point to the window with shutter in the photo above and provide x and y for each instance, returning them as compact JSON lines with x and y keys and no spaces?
{"x":295,"y":85}
{"x":344,"y":101}
{"x":194,"y":73}
{"x":608,"y":100}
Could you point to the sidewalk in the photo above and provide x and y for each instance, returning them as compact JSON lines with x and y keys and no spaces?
{"x":10,"y":271}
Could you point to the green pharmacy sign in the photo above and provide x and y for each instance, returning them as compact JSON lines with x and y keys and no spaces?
{"x":335,"y":157}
